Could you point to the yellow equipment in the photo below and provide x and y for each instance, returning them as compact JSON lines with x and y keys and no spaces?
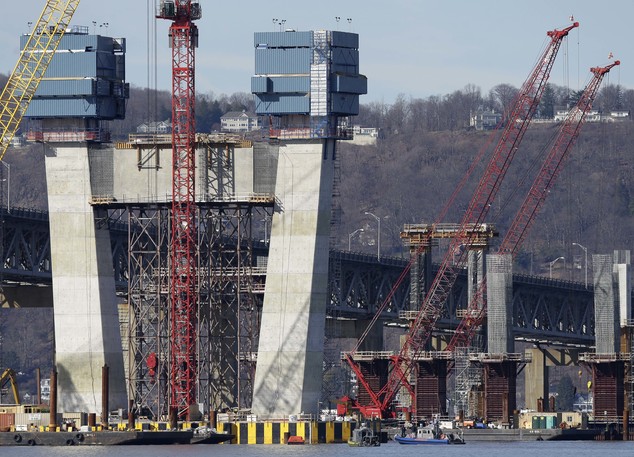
{"x":32,"y":64}
{"x":9,"y":375}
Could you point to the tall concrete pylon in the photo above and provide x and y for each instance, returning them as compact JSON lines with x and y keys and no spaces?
{"x":87,"y":334}
{"x":290,"y":353}
{"x":307,"y":84}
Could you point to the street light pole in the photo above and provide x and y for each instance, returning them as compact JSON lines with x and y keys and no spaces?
{"x":351,"y":235}
{"x":552,"y":263}
{"x":585,"y":251}
{"x":378,"y":235}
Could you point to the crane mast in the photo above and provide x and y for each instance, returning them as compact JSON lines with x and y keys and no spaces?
{"x":516,"y":125}
{"x":31,"y":66}
{"x":183,"y":369}
{"x":544,"y":181}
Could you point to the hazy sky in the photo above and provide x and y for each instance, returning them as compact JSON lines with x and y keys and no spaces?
{"x":413,"y":47}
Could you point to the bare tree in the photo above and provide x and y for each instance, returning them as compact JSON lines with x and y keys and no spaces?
{"x":504,"y":96}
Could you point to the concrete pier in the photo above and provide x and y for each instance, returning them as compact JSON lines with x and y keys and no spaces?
{"x":290,"y":355}
{"x":87,"y":334}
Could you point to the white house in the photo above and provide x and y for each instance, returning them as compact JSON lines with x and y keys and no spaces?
{"x":239,"y":122}
{"x":161,"y":127}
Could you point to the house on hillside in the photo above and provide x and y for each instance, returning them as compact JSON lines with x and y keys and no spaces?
{"x":364,"y":135}
{"x":561,"y":112}
{"x":620,"y":115}
{"x":594,"y":115}
{"x":239,"y":122}
{"x":485,"y":120}
{"x":155,"y":128}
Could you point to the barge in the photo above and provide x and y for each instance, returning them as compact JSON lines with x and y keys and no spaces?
{"x":110,"y":438}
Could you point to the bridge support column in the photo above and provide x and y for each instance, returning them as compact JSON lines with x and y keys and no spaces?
{"x":87,"y":334}
{"x":288,"y":377}
{"x":535,"y":379}
{"x":420,"y":275}
{"x":499,"y":373}
{"x":475,"y":271}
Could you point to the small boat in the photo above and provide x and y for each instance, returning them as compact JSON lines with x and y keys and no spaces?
{"x":363,"y":436}
{"x":295,"y":440}
{"x":431,"y":434}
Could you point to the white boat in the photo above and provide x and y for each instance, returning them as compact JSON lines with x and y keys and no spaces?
{"x":430,"y":434}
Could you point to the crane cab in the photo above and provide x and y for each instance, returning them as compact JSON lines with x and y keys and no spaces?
{"x":173,"y":9}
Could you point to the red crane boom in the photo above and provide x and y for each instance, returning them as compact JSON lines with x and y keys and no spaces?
{"x":183,"y":368}
{"x":422,"y":326}
{"x":544,"y":181}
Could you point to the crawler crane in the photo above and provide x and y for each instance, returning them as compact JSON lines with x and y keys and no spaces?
{"x":420,"y":329}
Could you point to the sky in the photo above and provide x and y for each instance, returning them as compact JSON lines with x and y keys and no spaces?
{"x":417,"y":48}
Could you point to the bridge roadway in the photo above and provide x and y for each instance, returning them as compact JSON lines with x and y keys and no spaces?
{"x":544,"y":310}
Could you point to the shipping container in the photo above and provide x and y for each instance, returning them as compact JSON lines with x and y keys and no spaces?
{"x":6,"y":421}
{"x":32,"y":419}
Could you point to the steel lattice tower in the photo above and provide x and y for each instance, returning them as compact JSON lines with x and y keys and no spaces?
{"x":183,"y":259}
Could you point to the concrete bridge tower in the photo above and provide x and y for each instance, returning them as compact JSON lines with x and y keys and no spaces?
{"x":308,"y":83}
{"x":83,"y":86}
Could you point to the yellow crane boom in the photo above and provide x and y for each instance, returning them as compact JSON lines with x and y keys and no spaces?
{"x":32,"y":64}
{"x":9,"y":375}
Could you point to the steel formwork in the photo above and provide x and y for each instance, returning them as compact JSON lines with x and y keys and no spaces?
{"x":608,"y":388}
{"x":375,"y":373}
{"x":499,"y":390}
{"x":431,"y":388}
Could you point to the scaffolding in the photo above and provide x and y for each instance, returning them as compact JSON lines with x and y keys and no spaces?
{"x":230,"y":290}
{"x":148,"y":291}
{"x":230,"y":284}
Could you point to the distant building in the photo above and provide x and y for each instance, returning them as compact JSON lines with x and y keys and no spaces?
{"x":364,"y":135}
{"x":155,"y":128}
{"x":485,"y":120}
{"x":619,"y":115}
{"x":239,"y":122}
{"x":45,"y":389}
{"x":593,"y":115}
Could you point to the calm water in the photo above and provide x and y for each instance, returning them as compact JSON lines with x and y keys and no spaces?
{"x":518,"y":449}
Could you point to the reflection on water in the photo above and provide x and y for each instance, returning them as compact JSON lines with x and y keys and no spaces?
{"x":479,"y":449}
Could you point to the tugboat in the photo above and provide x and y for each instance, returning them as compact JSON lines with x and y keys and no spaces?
{"x":364,"y":436}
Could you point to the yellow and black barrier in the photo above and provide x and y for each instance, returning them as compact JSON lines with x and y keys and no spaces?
{"x":271,"y":432}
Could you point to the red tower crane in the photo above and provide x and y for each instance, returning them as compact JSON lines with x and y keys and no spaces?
{"x":544,"y":181}
{"x":420,"y":329}
{"x":183,"y":369}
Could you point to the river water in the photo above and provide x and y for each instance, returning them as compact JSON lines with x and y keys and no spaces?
{"x":476,"y":449}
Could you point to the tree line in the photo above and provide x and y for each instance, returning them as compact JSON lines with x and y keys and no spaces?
{"x":452,"y":112}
